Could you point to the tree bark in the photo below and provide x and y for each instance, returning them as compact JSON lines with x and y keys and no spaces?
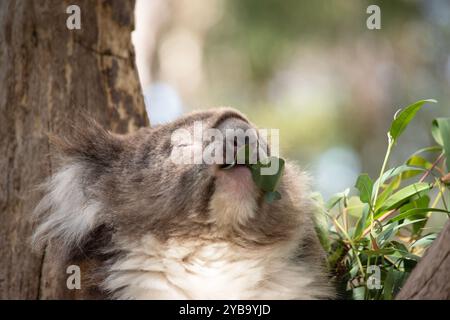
{"x":430,"y":279}
{"x":49,"y":74}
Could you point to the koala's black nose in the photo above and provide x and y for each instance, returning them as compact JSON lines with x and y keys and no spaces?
{"x":233,"y":124}
{"x":237,"y":133}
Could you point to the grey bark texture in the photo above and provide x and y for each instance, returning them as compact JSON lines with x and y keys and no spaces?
{"x":430,"y":279}
{"x":48,"y":75}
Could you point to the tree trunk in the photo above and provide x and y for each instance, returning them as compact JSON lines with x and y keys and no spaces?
{"x":49,"y":74}
{"x":430,"y":279}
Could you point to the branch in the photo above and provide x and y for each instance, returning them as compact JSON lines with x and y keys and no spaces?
{"x":430,"y":279}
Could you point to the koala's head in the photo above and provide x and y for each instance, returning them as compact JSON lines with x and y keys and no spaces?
{"x":121,"y":188}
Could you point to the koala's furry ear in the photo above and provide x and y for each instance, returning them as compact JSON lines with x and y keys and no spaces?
{"x":70,"y":208}
{"x":89,"y":142}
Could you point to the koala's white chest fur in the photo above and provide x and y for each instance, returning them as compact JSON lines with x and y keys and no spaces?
{"x":206,"y":271}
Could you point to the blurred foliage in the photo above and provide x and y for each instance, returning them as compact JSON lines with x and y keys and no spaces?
{"x":268,"y":29}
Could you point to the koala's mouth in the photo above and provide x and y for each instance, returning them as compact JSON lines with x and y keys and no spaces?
{"x":244,"y":168}
{"x":228,"y":166}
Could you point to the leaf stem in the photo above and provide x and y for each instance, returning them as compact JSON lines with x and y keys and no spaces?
{"x":383,"y":168}
{"x":435,"y":163}
{"x":352,"y":245}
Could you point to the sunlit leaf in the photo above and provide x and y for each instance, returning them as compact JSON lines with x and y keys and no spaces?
{"x":389,"y":174}
{"x":404,"y":194}
{"x":425,"y":241}
{"x":404,"y":117}
{"x":412,"y":212}
{"x":335,"y":199}
{"x":407,"y":223}
{"x":416,"y":161}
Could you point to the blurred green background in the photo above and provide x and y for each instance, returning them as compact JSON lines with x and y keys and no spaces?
{"x":309,"y":68}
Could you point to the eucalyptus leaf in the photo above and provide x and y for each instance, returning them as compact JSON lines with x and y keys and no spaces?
{"x":431,"y":149}
{"x":407,"y":223}
{"x":404,"y":117}
{"x":411,"y":212}
{"x":393,"y":185}
{"x":425,"y":241}
{"x":271,"y":196}
{"x":379,"y":252}
{"x":393,"y":283}
{"x":365,"y":185}
{"x":266,"y":182}
{"x":389,"y":174}
{"x":335,"y":199}
{"x":416,"y":161}
{"x":359,"y":293}
{"x":362,"y":221}
{"x":404,"y":194}
{"x":441,"y":133}
{"x":387,"y":233}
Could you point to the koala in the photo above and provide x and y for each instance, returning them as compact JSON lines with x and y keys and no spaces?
{"x":155,"y":229}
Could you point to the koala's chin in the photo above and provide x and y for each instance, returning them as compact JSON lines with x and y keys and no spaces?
{"x":152,"y":228}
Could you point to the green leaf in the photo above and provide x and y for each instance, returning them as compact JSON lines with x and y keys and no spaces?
{"x":268,"y":183}
{"x":389,"y":174}
{"x":436,"y":132}
{"x":416,"y":161}
{"x":387,"y":233}
{"x":393,"y":185}
{"x":404,"y":117}
{"x":428,"y":149}
{"x":336,"y":254}
{"x":441,"y":133}
{"x":407,"y":223}
{"x":380,"y":252}
{"x":412,"y":212}
{"x":362,"y":221}
{"x":365,"y":185}
{"x":321,"y":227}
{"x":393,"y":283}
{"x":409,"y":264}
{"x":399,"y":246}
{"x":359,"y":293}
{"x":425,"y":241}
{"x":271,"y":196}
{"x":422,"y":202}
{"x":404,"y":194}
{"x":335,"y":199}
